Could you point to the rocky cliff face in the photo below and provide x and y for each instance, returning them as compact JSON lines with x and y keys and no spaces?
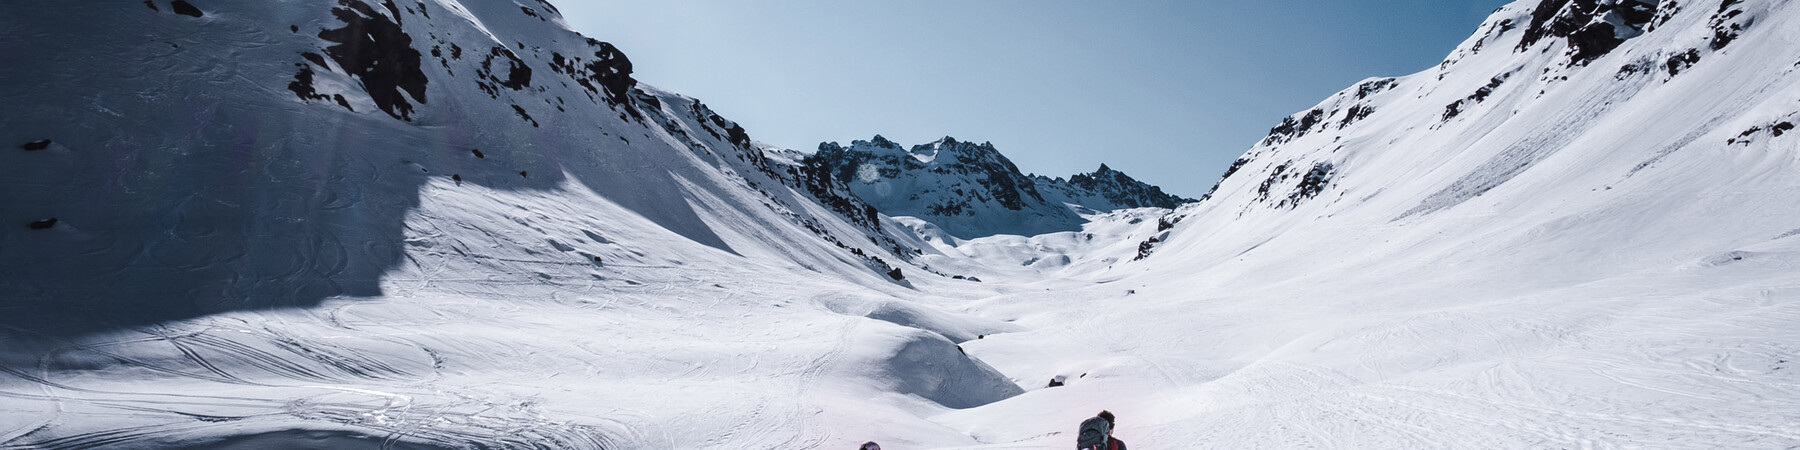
{"x":971,"y":190}
{"x":1106,"y":189}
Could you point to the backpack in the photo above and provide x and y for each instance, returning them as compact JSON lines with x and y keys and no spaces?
{"x":1093,"y":434}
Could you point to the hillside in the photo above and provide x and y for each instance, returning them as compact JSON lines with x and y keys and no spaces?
{"x":447,"y":224}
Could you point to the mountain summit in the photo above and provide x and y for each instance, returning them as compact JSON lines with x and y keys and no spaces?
{"x":971,"y":190}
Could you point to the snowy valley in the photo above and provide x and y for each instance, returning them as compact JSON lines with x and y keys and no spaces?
{"x":447,"y":224}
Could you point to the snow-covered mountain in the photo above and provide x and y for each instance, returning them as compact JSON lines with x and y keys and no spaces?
{"x":1106,"y":189}
{"x":459,"y":224}
{"x":377,"y":222}
{"x":1579,"y":230}
{"x":970,"y":190}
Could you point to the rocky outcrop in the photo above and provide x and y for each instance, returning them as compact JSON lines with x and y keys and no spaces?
{"x":1106,"y":189}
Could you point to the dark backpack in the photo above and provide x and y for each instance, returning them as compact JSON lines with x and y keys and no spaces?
{"x":1093,"y":434}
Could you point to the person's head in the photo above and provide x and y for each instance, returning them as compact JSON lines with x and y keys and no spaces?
{"x":1111,"y":422}
{"x":871,"y":445}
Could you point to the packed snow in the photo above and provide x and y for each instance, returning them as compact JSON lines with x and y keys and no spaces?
{"x":200,"y":251}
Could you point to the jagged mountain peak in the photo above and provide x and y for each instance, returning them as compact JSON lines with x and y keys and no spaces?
{"x":971,"y":189}
{"x":1107,"y":189}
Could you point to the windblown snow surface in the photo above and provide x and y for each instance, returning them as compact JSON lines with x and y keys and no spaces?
{"x":1579,"y":231}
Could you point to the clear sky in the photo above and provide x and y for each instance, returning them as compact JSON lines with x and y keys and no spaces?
{"x":1169,"y":91}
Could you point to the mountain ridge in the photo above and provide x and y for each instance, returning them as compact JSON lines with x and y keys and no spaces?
{"x":971,"y":190}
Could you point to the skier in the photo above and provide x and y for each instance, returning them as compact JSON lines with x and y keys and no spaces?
{"x":1096,"y":433}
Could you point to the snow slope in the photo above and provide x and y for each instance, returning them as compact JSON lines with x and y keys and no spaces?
{"x":427,"y":224}
{"x":1578,"y":231}
{"x":1533,"y":245}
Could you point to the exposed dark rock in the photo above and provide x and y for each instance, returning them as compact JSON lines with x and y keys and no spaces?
{"x":1276,"y":176}
{"x":1589,"y":25}
{"x":302,"y":86}
{"x":1594,"y":41}
{"x":524,"y":115}
{"x":315,"y":59}
{"x":518,"y":75}
{"x":814,"y":175}
{"x":1312,"y":184}
{"x":1725,"y":28}
{"x":1356,"y":113}
{"x":152,"y":5}
{"x":478,"y":153}
{"x":1291,"y":128}
{"x":1120,"y":189}
{"x":1167,"y":222}
{"x":1369,"y":88}
{"x":608,"y":73}
{"x":896,"y":275}
{"x":1775,"y":129}
{"x":1146,"y":247}
{"x":39,"y":144}
{"x":373,"y":48}
{"x":182,"y":7}
{"x":42,"y":224}
{"x":1481,"y":94}
{"x":1682,"y":61}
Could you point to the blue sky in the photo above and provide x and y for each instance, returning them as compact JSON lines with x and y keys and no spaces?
{"x":1167,"y":91}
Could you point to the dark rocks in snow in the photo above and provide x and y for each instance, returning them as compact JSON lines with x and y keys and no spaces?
{"x":315,"y":59}
{"x":1291,"y":128}
{"x":523,"y":115}
{"x":1144,"y":248}
{"x":524,"y":174}
{"x":608,"y":73}
{"x":1356,"y":113}
{"x":1121,"y":189}
{"x":1682,"y":61}
{"x":1167,"y":222}
{"x":1481,"y":94}
{"x":1275,"y":177}
{"x":950,"y":181}
{"x":478,"y":154}
{"x":518,"y":75}
{"x":152,"y":5}
{"x":1312,"y":184}
{"x":814,"y":175}
{"x":1749,"y":136}
{"x":1055,"y":383}
{"x":896,"y":275}
{"x":1724,"y":28}
{"x":1594,"y":41}
{"x":372,"y":47}
{"x":1591,"y":27}
{"x":182,"y":7}
{"x":302,"y":86}
{"x":1368,"y":88}
{"x":42,"y":224}
{"x":39,"y":144}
